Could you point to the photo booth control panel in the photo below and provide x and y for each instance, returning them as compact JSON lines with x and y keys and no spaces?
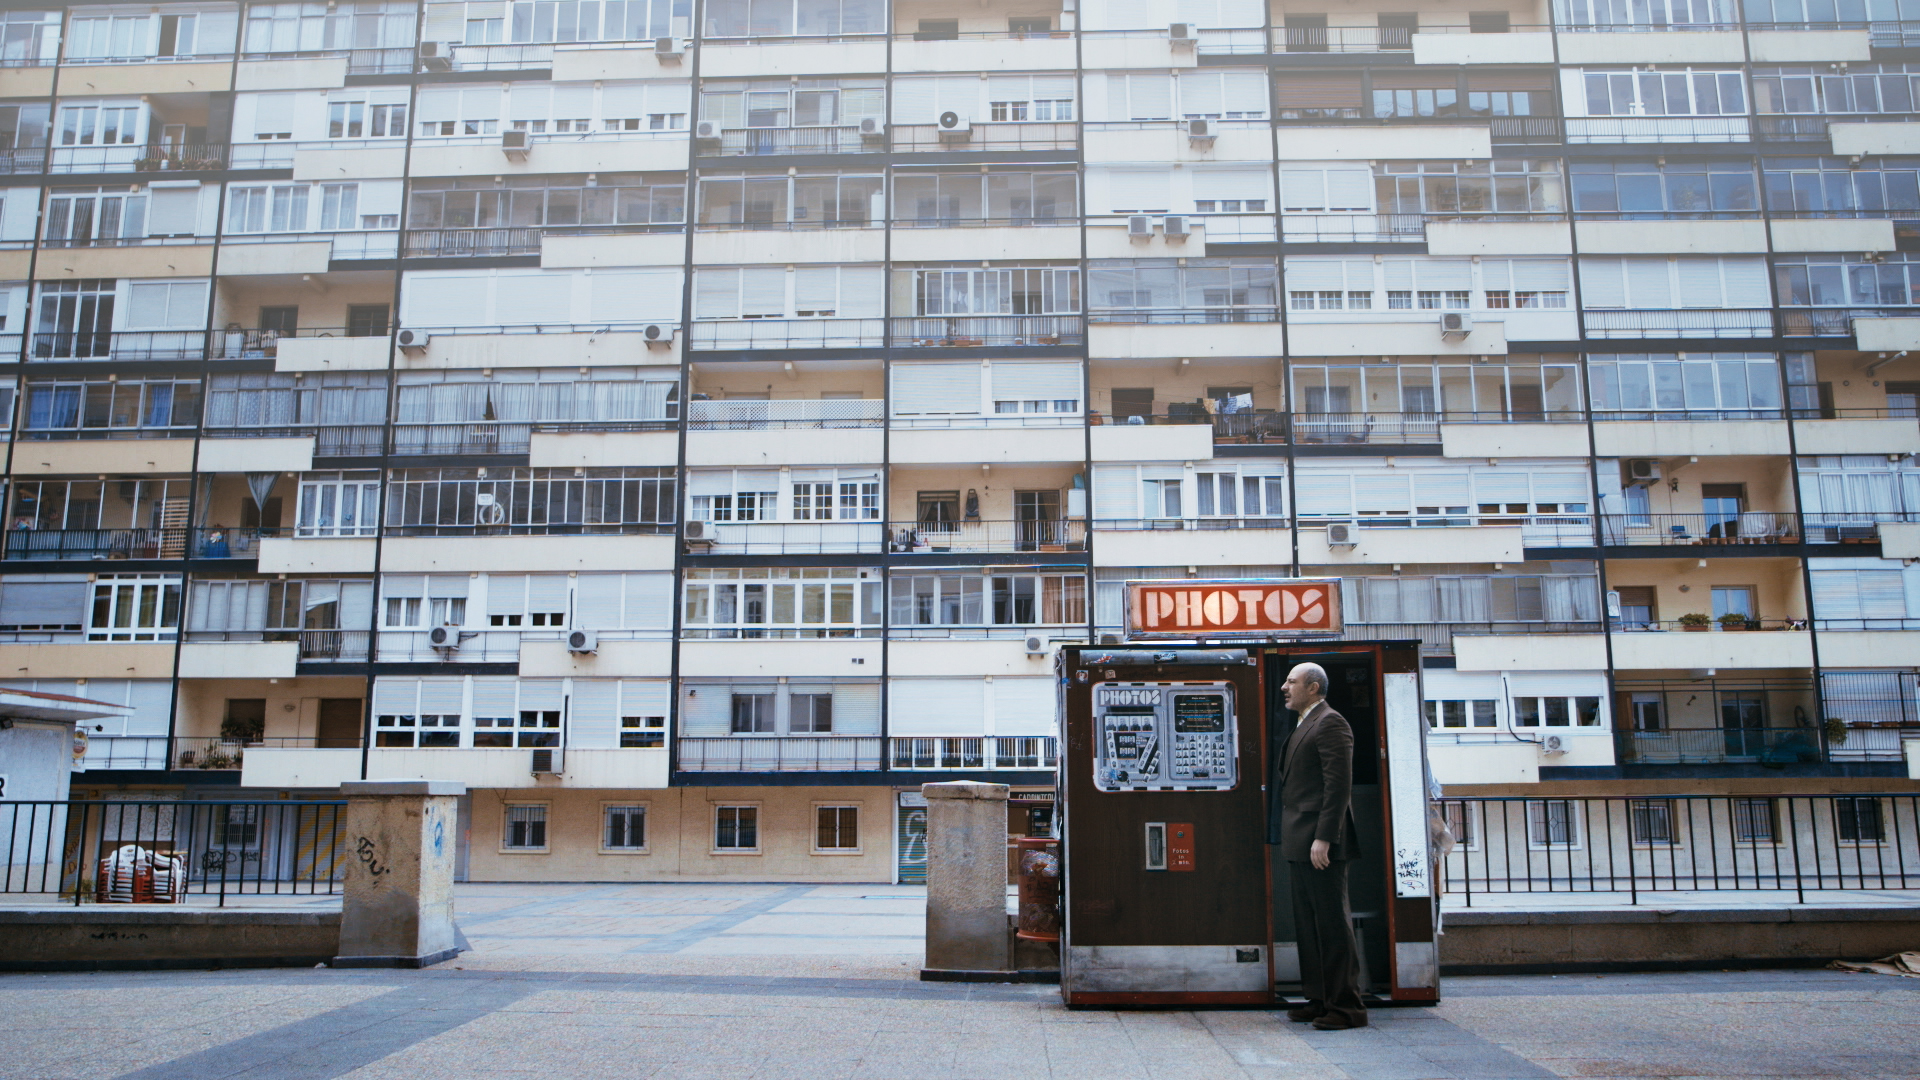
{"x":1165,"y":737}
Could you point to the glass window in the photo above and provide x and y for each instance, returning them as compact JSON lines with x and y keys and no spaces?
{"x":526,"y":828}
{"x":624,"y":828}
{"x":736,"y":828}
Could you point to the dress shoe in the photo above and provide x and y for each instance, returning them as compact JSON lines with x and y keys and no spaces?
{"x":1305,"y":1013}
{"x":1330,"y":1022}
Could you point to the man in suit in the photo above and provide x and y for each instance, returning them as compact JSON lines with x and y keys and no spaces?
{"x":1317,"y":838}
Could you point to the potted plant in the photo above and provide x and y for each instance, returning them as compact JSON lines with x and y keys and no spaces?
{"x":1733,"y":620}
{"x":1836,"y":730}
{"x":1695,"y":622}
{"x":242,"y":729}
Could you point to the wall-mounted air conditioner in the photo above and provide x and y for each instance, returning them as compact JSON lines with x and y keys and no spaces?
{"x":1140,"y":227}
{"x":514,"y":144}
{"x":444,"y":637}
{"x":1036,"y":645}
{"x":1200,"y":132}
{"x":872,"y":127}
{"x":1340,"y":534}
{"x":583,"y":641}
{"x":549,"y":761}
{"x":1183,"y":35}
{"x":1639,"y":472}
{"x":1455,"y":326}
{"x":436,"y":56}
{"x":413,"y":341}
{"x":1174,"y":228}
{"x":954,"y":127}
{"x":659,"y":335}
{"x":669,"y":50}
{"x":707,"y":131}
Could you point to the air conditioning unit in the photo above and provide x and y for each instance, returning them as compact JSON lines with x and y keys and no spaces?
{"x":436,"y":56}
{"x":444,"y":637}
{"x":658,"y":335}
{"x":1613,"y":603}
{"x":514,"y":144}
{"x":1200,"y":132}
{"x":954,"y":127}
{"x":413,"y":341}
{"x":698,"y":532}
{"x":1036,"y":645}
{"x":1183,"y":35}
{"x":872,"y":127}
{"x":583,"y":641}
{"x":669,"y":50}
{"x":1554,"y":744}
{"x":1455,"y":326}
{"x":707,"y":130}
{"x":1340,"y":534}
{"x":547,"y":761}
{"x":1174,"y":228}
{"x":1639,"y":472}
{"x":1139,"y":227}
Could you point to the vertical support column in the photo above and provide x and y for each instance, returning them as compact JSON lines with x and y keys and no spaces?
{"x":967,"y":927}
{"x":398,"y":906}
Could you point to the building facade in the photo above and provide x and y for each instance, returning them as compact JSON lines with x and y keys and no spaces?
{"x":693,"y":425}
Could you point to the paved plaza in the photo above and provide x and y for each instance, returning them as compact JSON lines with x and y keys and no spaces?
{"x":794,"y":982}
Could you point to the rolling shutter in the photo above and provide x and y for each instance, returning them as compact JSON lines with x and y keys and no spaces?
{"x":1116,"y":492}
{"x":532,"y":297}
{"x":43,"y":600}
{"x":648,"y":601}
{"x":644,"y":697}
{"x":1323,"y":493}
{"x":936,"y":707}
{"x":1602,"y":284}
{"x":716,"y":294}
{"x":593,"y":722}
{"x":1746,"y":283}
{"x":1024,"y":381}
{"x":1138,"y":191}
{"x":856,"y":706}
{"x":1023,"y":706}
{"x":1232,"y":184}
{"x":1648,"y":285}
{"x":506,"y":594}
{"x":1387,"y":494}
{"x":1441,"y":489}
{"x":921,"y":389}
{"x":431,"y":300}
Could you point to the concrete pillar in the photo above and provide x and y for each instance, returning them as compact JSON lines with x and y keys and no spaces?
{"x":967,"y":876}
{"x":398,"y":906}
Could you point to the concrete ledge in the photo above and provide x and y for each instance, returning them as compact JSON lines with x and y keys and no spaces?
{"x":351,"y":788}
{"x":144,"y":937}
{"x":1669,"y":939}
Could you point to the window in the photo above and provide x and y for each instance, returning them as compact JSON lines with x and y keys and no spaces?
{"x":1556,"y":712}
{"x":643,"y":731}
{"x":1552,"y":823}
{"x":99,"y":125}
{"x":1651,"y":190}
{"x":533,"y":202}
{"x":340,"y":208}
{"x":1858,"y":819}
{"x":836,"y":829}
{"x":418,"y":730}
{"x":810,"y":714}
{"x":736,"y":829}
{"x":339,"y":504}
{"x":937,"y":511}
{"x":1650,"y":821}
{"x":1733,"y":600}
{"x":96,"y":409}
{"x":780,"y":602}
{"x":134,"y":607}
{"x":306,"y":26}
{"x":1648,"y":712}
{"x":526,"y":827}
{"x":1018,"y":291}
{"x":1007,"y":198}
{"x":280,"y":208}
{"x":1755,"y":821}
{"x":752,"y":714}
{"x":810,"y":198}
{"x":236,"y":825}
{"x":367,"y":320}
{"x":1461,"y":714}
{"x":366,"y":120}
{"x":624,"y":828}
{"x":1719,"y":385}
{"x":1665,"y":93}
{"x":1463,"y":820}
{"x":594,"y":500}
{"x":1201,"y":290}
{"x":82,"y":217}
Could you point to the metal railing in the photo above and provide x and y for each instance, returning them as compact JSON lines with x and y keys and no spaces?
{"x":396,"y":61}
{"x":946,"y":537}
{"x":1679,"y":323}
{"x":1668,"y":530}
{"x":120,"y":345}
{"x":990,"y":331}
{"x":136,"y":159}
{"x":1055,"y":221}
{"x":780,"y":753}
{"x":752,"y":142}
{"x":28,"y":159}
{"x":1658,"y":129}
{"x":1872,"y":744}
{"x":1789,"y":844}
{"x":975,"y":752}
{"x":788,"y":334}
{"x":314,"y":645}
{"x":1354,"y":228}
{"x":1791,"y":128}
{"x":348,"y":245}
{"x":496,"y":57}
{"x":1367,"y":427}
{"x":785,"y":537}
{"x":1713,"y":746}
{"x":1184,"y":316}
{"x":1834,"y":322}
{"x":1249,"y":426}
{"x":483,"y":437}
{"x":1855,"y":527}
{"x":32,"y":543}
{"x":984,"y":138}
{"x":778,"y":415}
{"x":1439,"y":637}
{"x":477,"y":243}
{"x":329,"y":440}
{"x":1749,"y":623}
{"x":166,"y":851}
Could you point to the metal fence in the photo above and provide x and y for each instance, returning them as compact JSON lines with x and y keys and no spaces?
{"x":1796,"y":844}
{"x":164,"y":851}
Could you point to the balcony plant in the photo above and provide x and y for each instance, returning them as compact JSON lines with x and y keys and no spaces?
{"x":1733,"y":620}
{"x":1694,"y":622}
{"x":242,"y":729}
{"x":1836,"y":730}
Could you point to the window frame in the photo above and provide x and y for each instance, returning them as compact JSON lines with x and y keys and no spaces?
{"x":545,"y":821}
{"x":646,"y":836}
{"x":713,"y":828}
{"x":859,"y":839}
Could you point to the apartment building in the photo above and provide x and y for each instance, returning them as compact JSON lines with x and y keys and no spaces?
{"x":693,"y":425}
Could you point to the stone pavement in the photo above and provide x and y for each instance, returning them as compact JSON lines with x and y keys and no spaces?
{"x":792,"y":982}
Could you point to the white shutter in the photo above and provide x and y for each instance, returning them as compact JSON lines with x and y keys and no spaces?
{"x":936,"y":707}
{"x":921,"y":101}
{"x":1746,"y":283}
{"x":1602,"y":283}
{"x":1440,"y":489}
{"x":547,"y":592}
{"x":1348,"y":189}
{"x":1023,"y":706}
{"x":1232,"y":184}
{"x":1200,"y":93}
{"x":1648,"y":285}
{"x":1140,"y":97}
{"x":506,"y":594}
{"x":428,"y":299}
{"x":816,"y":288}
{"x":445,"y":22}
{"x":272,"y":114}
{"x":1312,"y":273}
{"x":1560,"y":485}
{"x":171,"y":211}
{"x":442,"y":696}
{"x":572,"y":101}
{"x":1245,"y":91}
{"x":480,"y":103}
{"x":1883,"y":594}
{"x":619,"y":101}
{"x":1304,"y":190}
{"x":437,"y":104}
{"x":1116,"y":492}
{"x":1444,"y":273}
{"x":644,"y":697}
{"x":1323,"y":493}
{"x":532,"y":297}
{"x":936,"y":388}
{"x":530,"y":101}
{"x":1501,"y":485}
{"x":395,"y":697}
{"x":1381,"y":494}
{"x":648,"y":601}
{"x":862,"y":292}
{"x":1031,"y":381}
{"x":495,"y":697}
{"x":1699,"y":283}
{"x":1138,"y":191}
{"x":716,"y":294}
{"x":592,"y":715}
{"x":1053,"y":88}
{"x":856,"y":706}
{"x":1836,"y":594}
{"x":596,"y":602}
{"x":635,"y":296}
{"x":1546,"y":275}
{"x":763,"y":291}
{"x":147,"y":305}
{"x":540,"y":694}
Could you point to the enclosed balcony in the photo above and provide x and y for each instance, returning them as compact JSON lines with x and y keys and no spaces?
{"x":326,"y":619}
{"x":825,"y":116}
{"x":455,"y":218}
{"x":1719,"y":721}
{"x":373,"y":39}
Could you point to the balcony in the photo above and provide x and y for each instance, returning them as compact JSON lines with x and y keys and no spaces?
{"x":1718,"y":746}
{"x":740,"y":415}
{"x":485,"y":243}
{"x":1878,"y":742}
{"x":1252,"y":426}
{"x":123,"y":158}
{"x":1658,"y":129}
{"x":329,"y":440}
{"x":484,"y":437}
{"x":1371,"y":39}
{"x":987,"y":331}
{"x":126,"y":752}
{"x":984,"y":138}
{"x":1390,"y":228}
{"x":759,"y":142}
{"x":978,"y":752}
{"x":742,"y":334}
{"x":1835,"y":322}
{"x":1399,"y":530}
{"x":121,"y":345}
{"x":1685,"y":530}
{"x":1365,"y":428}
{"x":353,"y":246}
{"x":983,"y":537}
{"x":1438,"y":637}
{"x":1687,"y":323}
{"x":493,"y":58}
{"x":398,"y":61}
{"x":92,"y":544}
{"x":1858,"y":527}
{"x":766,"y":753}
{"x":783,"y":537}
{"x":315,"y":645}
{"x":24,"y":160}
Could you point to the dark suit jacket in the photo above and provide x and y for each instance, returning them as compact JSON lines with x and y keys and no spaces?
{"x":1313,"y":779}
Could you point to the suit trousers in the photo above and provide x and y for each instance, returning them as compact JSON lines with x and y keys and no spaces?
{"x":1323,"y":923}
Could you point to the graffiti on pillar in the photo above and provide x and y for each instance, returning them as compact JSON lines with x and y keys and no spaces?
{"x":369,"y":854}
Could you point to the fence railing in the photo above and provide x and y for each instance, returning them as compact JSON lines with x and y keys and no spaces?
{"x":773,"y":753}
{"x":784,"y":537}
{"x":1791,"y":844}
{"x":139,"y":159}
{"x":1713,"y":746}
{"x":981,"y":752}
{"x":1686,"y":323}
{"x":949,"y":536}
{"x":989,"y":138}
{"x":1667,"y":530}
{"x":750,"y":142}
{"x":992,"y":331}
{"x":495,"y":437}
{"x":789,"y":334}
{"x":167,"y":851}
{"x":314,"y":644}
{"x":1185,"y":316}
{"x":774,"y":415}
{"x":1657,"y":129}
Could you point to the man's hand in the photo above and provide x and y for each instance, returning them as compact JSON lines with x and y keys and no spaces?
{"x":1322,"y":855}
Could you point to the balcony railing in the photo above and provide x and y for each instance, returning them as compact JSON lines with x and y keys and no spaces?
{"x":124,"y":752}
{"x":1855,"y":527}
{"x":97,"y":543}
{"x":783,"y":415}
{"x":1658,"y":129}
{"x":483,"y":243}
{"x":947,"y":537}
{"x":314,"y":645}
{"x":397,"y":61}
{"x":1873,"y":744}
{"x":1797,"y":128}
{"x":1748,"y":625}
{"x":1363,"y":39}
{"x":496,"y":58}
{"x":1249,"y":426}
{"x":784,"y":537}
{"x":136,"y":159}
{"x":989,"y":331}
{"x":1835,"y":322}
{"x":1680,"y":530}
{"x":774,"y":753}
{"x":984,"y":138}
{"x":484,"y":437}
{"x":29,"y":159}
{"x":1369,"y":427}
{"x":788,"y":334}
{"x":365,"y":440}
{"x":1536,"y":530}
{"x":1387,"y":228}
{"x":980,"y":752}
{"x":1439,"y":637}
{"x":120,"y":345}
{"x":351,"y":245}
{"x":753,"y":142}
{"x":1682,"y":323}
{"x":1184,"y":316}
{"x":1712,"y":746}
{"x":216,"y":754}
